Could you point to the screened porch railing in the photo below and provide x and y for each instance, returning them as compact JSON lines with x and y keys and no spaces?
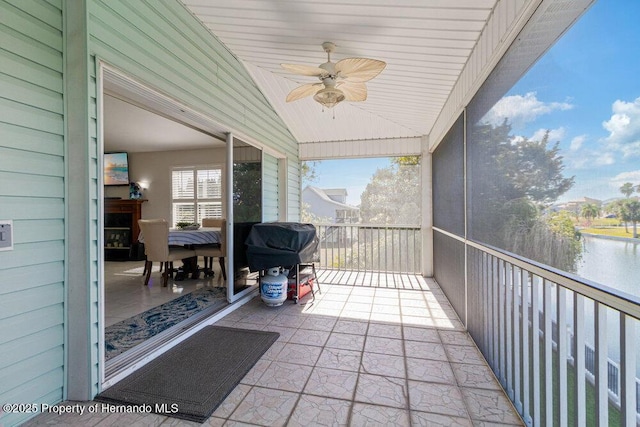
{"x":563,"y":348}
{"x":368,"y":247}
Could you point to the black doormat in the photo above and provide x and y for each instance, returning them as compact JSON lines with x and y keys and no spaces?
{"x":192,"y":379}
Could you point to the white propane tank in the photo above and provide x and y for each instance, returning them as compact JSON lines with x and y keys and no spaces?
{"x":273,"y":287}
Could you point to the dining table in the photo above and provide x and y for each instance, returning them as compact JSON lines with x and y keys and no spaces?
{"x":200,"y":236}
{"x":190,"y":238}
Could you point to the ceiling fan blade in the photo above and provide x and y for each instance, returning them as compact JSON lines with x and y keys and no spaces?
{"x":305,"y":70}
{"x":359,"y":70}
{"x":353,"y":91}
{"x":303,"y":91}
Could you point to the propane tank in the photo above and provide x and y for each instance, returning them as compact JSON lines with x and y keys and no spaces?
{"x":273,"y":287}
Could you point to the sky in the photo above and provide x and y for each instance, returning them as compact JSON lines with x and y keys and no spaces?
{"x":591,"y":107}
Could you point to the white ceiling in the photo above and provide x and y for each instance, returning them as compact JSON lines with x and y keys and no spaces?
{"x":130,"y":128}
{"x":432,"y":48}
{"x":425,"y":44}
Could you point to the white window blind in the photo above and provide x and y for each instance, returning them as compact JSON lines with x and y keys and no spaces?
{"x":196,"y":193}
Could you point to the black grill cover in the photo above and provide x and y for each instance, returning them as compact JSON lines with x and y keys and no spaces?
{"x":281,"y":244}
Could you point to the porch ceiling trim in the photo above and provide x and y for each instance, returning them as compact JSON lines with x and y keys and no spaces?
{"x":389,"y":147}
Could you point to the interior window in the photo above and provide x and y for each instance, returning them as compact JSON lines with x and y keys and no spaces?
{"x":196,"y":193}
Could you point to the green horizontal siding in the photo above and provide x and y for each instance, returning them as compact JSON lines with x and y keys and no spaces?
{"x":270,"y":188}
{"x":32,"y":175}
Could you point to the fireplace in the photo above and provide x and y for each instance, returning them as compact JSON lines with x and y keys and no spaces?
{"x":121,"y":230}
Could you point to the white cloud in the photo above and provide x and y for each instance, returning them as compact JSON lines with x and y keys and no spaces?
{"x":632,"y":177}
{"x":576,"y":143}
{"x":624,"y":128}
{"x":519,"y":109}
{"x":554,"y":134}
{"x":586,"y":159}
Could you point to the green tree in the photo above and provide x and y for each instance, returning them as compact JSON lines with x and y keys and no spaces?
{"x":627,"y":189}
{"x":247,"y":192}
{"x":511,"y":183}
{"x":590,"y":211}
{"x":393,"y":196}
{"x":633,"y":210}
{"x":620,"y":210}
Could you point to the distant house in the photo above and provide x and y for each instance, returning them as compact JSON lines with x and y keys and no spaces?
{"x":330,"y":204}
{"x":575,"y":206}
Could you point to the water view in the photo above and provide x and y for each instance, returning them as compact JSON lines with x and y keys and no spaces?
{"x":615,"y":264}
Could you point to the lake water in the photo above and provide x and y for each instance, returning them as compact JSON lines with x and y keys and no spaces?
{"x":615,"y":264}
{"x":612,"y":263}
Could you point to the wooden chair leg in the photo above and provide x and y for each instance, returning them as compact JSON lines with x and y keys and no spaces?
{"x":222,"y":268}
{"x":148,"y":265}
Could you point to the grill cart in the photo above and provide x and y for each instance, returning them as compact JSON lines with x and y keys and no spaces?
{"x":291,"y":245}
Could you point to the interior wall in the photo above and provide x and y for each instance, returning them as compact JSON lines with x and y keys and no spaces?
{"x":154,"y":168}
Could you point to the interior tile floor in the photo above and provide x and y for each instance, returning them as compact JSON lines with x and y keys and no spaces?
{"x":354,"y":356}
{"x":126,"y":295}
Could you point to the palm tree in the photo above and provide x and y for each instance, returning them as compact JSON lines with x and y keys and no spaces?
{"x":590,"y":211}
{"x":627,"y":189}
{"x":633,"y":207}
{"x":618,"y":207}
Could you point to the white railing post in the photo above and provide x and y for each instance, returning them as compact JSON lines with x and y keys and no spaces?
{"x":627,"y":370}
{"x":580,"y":404}
{"x":601,"y":369}
{"x":562,"y":354}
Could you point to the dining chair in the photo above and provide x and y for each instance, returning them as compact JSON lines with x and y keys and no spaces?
{"x":155,"y":233}
{"x":208,"y":252}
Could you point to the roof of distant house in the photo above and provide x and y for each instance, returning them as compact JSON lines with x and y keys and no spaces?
{"x":323,"y":194}
{"x":335,"y":191}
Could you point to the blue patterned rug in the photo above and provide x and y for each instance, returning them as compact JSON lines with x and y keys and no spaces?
{"x":128,"y":333}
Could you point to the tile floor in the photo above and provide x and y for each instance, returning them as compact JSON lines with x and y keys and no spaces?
{"x":357,"y":355}
{"x":126,"y":295}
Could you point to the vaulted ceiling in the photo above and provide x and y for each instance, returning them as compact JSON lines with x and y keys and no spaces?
{"x":426,"y":44}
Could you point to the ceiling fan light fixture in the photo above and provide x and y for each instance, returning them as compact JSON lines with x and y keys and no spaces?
{"x":329,"y":97}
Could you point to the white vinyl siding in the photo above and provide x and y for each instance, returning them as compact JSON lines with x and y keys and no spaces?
{"x":32,"y":190}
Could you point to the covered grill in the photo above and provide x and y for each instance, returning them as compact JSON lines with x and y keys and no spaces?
{"x":290,"y":245}
{"x":281,"y":244}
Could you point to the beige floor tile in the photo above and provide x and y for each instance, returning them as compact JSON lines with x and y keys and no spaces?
{"x":332,"y":383}
{"x":337,"y":358}
{"x":356,"y":327}
{"x":232,"y":401}
{"x":464,"y":354}
{"x":430,"y":371}
{"x":265,"y":406}
{"x":383,"y":345}
{"x":489,"y":406}
{"x":252,"y":377}
{"x":425,"y":350}
{"x":299,"y":354}
{"x":443,"y":399}
{"x":456,"y":338}
{"x":345,"y":341}
{"x":475,"y":376}
{"x":310,"y":337}
{"x":437,"y":420}
{"x":412,"y":333}
{"x":285,"y":376}
{"x":320,"y":411}
{"x":383,"y":364}
{"x":370,"y":415}
{"x":385,"y":330}
{"x":379,"y":390}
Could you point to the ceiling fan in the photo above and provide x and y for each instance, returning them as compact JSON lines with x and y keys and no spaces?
{"x":340,"y":81}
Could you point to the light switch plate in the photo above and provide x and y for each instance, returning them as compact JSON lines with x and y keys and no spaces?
{"x":6,"y":235}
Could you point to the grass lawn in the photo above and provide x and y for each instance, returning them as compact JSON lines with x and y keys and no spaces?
{"x":609,"y":231}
